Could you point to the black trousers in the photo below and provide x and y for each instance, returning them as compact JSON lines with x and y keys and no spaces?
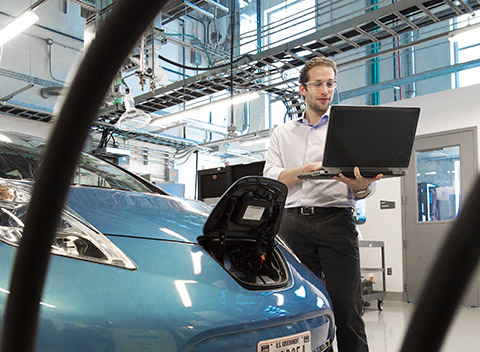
{"x":326,"y":241}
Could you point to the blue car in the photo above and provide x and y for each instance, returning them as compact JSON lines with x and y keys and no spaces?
{"x":134,"y":268}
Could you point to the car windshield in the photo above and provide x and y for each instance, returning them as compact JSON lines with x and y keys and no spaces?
{"x":20,"y":156}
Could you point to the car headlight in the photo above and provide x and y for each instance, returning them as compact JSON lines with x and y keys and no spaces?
{"x":74,"y":238}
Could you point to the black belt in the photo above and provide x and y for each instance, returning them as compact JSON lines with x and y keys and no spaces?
{"x":314,"y":210}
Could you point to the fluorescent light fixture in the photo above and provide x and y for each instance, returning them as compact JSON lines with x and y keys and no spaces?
{"x":472,"y":31}
{"x":194,"y":112}
{"x":17,"y":26}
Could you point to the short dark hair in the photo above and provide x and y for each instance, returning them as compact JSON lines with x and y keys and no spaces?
{"x":316,"y":61}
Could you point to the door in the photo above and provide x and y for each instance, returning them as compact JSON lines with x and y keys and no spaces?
{"x":442,"y":169}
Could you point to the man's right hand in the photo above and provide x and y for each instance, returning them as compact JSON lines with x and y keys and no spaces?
{"x":312,"y":167}
{"x":289,"y":176}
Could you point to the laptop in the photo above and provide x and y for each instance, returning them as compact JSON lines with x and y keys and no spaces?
{"x":377,"y":139}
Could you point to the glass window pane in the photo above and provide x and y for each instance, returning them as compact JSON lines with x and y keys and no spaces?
{"x":471,"y":76}
{"x":277,"y":113}
{"x":465,"y":48}
{"x":283,"y":27}
{"x":438,"y":184}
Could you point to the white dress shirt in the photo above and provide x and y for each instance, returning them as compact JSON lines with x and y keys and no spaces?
{"x":297,"y":143}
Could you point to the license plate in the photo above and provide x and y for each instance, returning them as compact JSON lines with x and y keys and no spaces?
{"x":293,"y":343}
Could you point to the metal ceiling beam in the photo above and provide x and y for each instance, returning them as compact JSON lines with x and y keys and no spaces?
{"x":24,"y":112}
{"x":260,"y":70}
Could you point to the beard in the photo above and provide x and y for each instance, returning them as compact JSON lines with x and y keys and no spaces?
{"x":318,"y":107}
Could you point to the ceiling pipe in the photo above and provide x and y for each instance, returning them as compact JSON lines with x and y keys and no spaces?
{"x":18,"y":91}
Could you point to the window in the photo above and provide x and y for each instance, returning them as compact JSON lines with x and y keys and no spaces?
{"x":438,"y":184}
{"x":283,"y":27}
{"x":465,"y":48}
{"x":248,"y":28}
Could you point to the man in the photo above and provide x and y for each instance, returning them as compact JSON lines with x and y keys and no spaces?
{"x":318,"y":222}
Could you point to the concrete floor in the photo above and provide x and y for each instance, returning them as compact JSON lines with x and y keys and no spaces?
{"x":386,"y":329}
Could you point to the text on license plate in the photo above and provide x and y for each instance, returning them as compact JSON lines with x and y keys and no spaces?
{"x":293,"y":343}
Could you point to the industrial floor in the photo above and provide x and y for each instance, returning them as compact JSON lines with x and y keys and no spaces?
{"x":386,"y":329}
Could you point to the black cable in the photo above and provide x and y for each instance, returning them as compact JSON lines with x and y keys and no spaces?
{"x":454,"y":265}
{"x":196,"y":174}
{"x":120,"y":32}
{"x":232,"y":35}
{"x":104,"y":139}
{"x":201,"y":68}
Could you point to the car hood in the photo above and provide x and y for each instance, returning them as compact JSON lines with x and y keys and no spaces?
{"x":135,"y":214}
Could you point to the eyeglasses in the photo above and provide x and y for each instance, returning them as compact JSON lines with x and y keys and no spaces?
{"x":317,"y":85}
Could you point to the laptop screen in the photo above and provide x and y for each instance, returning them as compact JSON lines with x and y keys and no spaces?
{"x":370,"y":136}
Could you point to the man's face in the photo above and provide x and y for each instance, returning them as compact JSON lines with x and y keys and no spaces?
{"x":318,"y":98}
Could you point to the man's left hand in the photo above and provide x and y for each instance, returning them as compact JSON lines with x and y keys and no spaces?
{"x":358,"y":183}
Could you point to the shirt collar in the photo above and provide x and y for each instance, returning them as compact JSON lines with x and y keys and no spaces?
{"x":323,"y":120}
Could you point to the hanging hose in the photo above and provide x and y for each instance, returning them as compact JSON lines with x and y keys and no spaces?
{"x":172,"y":62}
{"x":454,"y":266}
{"x":127,"y":21}
{"x":210,"y":63}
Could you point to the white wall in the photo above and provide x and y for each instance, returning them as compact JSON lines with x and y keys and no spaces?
{"x":26,"y":58}
{"x":443,"y":111}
